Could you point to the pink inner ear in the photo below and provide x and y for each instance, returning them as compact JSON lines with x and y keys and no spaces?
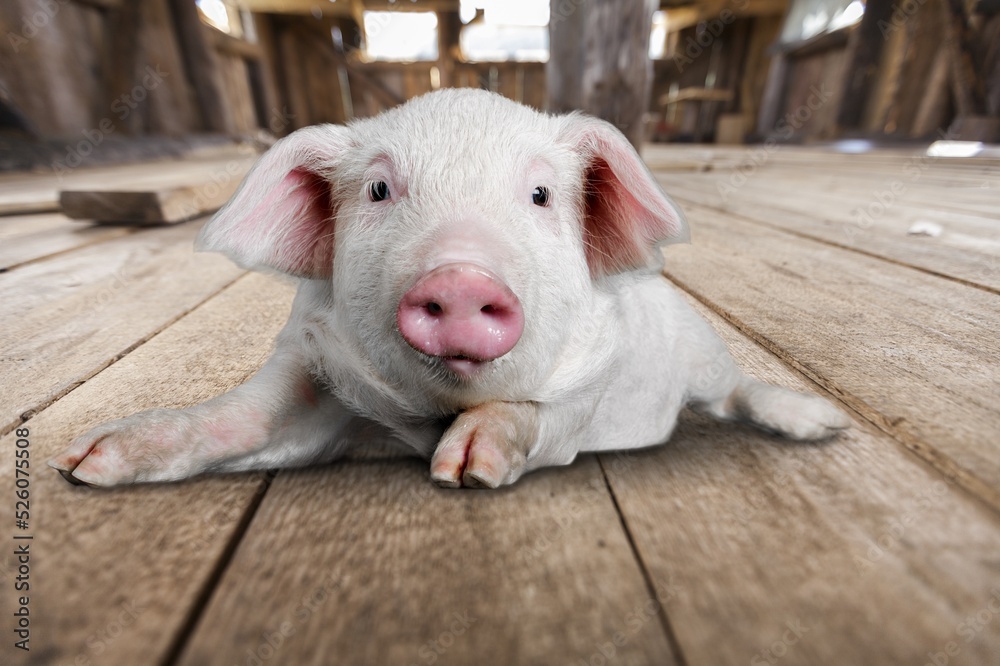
{"x":299,"y":214}
{"x":614,"y":222}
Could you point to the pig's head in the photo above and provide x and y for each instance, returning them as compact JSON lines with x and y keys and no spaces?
{"x":464,"y":237}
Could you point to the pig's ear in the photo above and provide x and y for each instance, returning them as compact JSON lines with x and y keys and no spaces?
{"x":282,"y":215}
{"x":627,"y":216}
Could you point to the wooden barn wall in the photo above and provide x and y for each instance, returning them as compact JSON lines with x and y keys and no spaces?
{"x":740,"y":63}
{"x":73,"y":67}
{"x":317,"y":81}
{"x":912,"y":91}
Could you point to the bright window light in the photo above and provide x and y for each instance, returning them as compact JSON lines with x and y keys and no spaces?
{"x":658,"y":38}
{"x":955,"y":148}
{"x":510,"y":30}
{"x":405,"y":36}
{"x":216,"y":13}
{"x":848,"y":16}
{"x":507,"y":12}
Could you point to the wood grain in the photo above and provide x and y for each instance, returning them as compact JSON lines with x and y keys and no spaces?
{"x":165,"y":205}
{"x":914,"y":354}
{"x":853,"y":542}
{"x":74,"y":314}
{"x":119,"y":572}
{"x":372,"y":563}
{"x":968,"y":248}
{"x":27,"y":238}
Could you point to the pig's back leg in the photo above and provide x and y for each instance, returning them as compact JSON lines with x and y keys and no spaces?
{"x":720,"y":389}
{"x":279,"y":418}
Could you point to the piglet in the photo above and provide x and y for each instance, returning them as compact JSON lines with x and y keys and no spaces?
{"x":476,"y":276}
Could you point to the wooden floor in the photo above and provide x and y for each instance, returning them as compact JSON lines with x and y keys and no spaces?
{"x":725,"y":546}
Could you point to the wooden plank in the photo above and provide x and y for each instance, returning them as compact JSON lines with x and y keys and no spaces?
{"x":22,"y":193}
{"x":32,"y":237}
{"x":116,"y":574}
{"x":968,"y":248}
{"x":20,"y":203}
{"x":73,"y":315}
{"x":849,"y":552}
{"x":912,"y":353}
{"x":540,"y":573}
{"x":159,"y":206}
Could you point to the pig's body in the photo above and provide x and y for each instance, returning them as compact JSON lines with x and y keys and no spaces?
{"x":476,"y":277}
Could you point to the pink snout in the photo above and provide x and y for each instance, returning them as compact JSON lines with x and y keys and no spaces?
{"x":463,"y":314}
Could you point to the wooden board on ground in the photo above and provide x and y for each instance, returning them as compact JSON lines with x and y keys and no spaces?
{"x":22,"y":193}
{"x":967,"y":249}
{"x":168,"y":198}
{"x":72,"y":315}
{"x":117,"y":573}
{"x":839,"y":552}
{"x":146,"y":206}
{"x":372,"y":562}
{"x":911,"y":352}
{"x":27,"y":238}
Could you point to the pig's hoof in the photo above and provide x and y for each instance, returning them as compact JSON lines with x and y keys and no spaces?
{"x":123,"y":451}
{"x":798,"y":416}
{"x":486,"y":447}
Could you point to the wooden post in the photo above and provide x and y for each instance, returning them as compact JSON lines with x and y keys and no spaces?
{"x":449,"y":27}
{"x":599,"y":60}
{"x":863,"y":52}
{"x":202,"y":65}
{"x":970,"y":90}
{"x":773,"y":98}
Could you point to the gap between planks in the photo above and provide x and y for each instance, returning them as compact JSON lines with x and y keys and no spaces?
{"x":695,"y":204}
{"x":940,"y":462}
{"x":25,"y":417}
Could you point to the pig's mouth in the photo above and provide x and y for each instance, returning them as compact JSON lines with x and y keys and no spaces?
{"x":465,"y":367}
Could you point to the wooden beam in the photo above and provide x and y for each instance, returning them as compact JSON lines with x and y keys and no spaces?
{"x":599,"y":61}
{"x":449,"y":30}
{"x":154,"y":206}
{"x":969,"y":87}
{"x":233,"y":45}
{"x":202,"y":64}
{"x":345,"y":7}
{"x":864,"y":50}
{"x":679,"y":18}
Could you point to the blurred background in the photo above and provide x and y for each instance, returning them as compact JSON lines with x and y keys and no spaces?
{"x":99,"y":81}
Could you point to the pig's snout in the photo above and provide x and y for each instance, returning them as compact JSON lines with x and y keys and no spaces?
{"x":462,"y":313}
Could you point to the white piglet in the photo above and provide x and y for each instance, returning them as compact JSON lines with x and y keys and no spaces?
{"x":476,"y":276}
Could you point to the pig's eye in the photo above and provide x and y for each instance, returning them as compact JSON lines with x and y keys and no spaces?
{"x":378,"y":191}
{"x":540,"y":197}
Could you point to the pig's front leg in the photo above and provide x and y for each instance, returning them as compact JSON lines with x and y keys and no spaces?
{"x":278,"y":418}
{"x":487,"y":446}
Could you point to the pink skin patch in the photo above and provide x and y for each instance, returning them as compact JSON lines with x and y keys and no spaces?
{"x":462,"y":314}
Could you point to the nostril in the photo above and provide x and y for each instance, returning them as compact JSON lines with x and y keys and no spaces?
{"x":434,"y":308}
{"x":488,"y":310}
